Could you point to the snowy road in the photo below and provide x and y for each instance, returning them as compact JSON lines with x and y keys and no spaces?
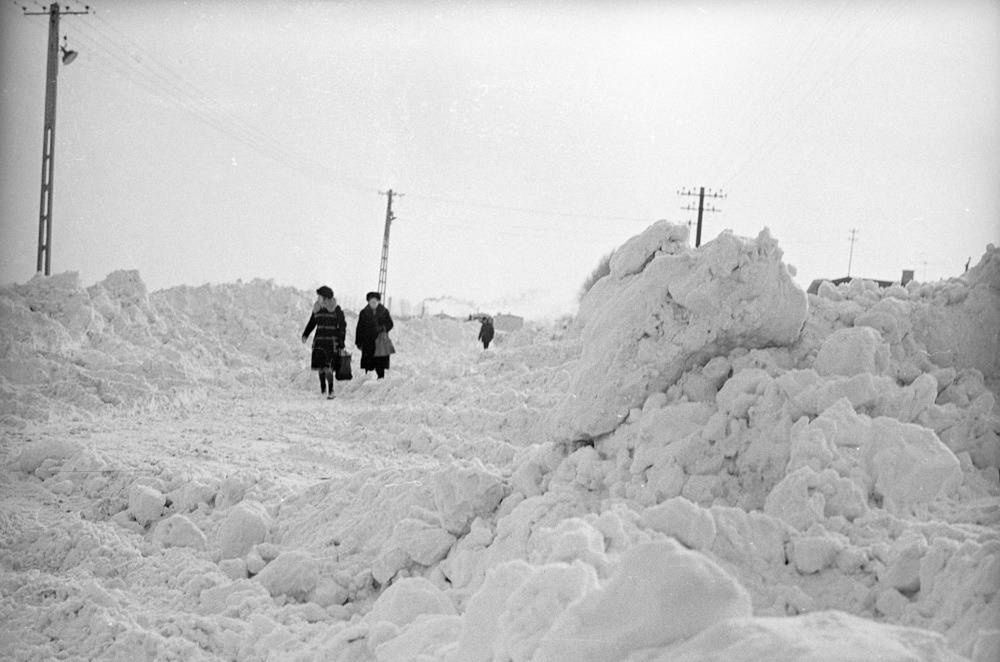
{"x":69,"y":518}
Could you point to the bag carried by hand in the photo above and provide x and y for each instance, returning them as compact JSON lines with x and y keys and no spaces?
{"x":383,"y":345}
{"x":344,"y":366}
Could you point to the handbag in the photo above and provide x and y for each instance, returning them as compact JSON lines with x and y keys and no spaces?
{"x":383,"y":344}
{"x":344,"y":366}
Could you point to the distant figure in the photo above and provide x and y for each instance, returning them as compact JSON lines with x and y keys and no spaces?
{"x":486,"y":331}
{"x":967,"y":263}
{"x":372,"y":320}
{"x":331,"y":327}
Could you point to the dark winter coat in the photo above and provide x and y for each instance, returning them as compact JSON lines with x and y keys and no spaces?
{"x":486,"y":332}
{"x":370,"y":324}
{"x":331,"y":329}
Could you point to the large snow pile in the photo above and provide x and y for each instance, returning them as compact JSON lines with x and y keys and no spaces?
{"x":707,"y":465}
{"x":69,"y":350}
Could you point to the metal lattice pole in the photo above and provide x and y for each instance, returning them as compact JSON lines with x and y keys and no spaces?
{"x":44,"y":263}
{"x":384,"y":266}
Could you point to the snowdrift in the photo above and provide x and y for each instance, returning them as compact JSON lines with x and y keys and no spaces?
{"x":69,"y":350}
{"x":708,"y":464}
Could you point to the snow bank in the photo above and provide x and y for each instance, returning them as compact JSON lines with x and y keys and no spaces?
{"x":664,"y":309}
{"x":819,"y":637}
{"x":80,"y":351}
{"x":710,"y":465}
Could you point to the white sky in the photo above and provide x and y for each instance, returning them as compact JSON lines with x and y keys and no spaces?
{"x":211,"y":141}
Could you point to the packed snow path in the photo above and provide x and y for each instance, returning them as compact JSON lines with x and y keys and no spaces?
{"x":89,"y":487}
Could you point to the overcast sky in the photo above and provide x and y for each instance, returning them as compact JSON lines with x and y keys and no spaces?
{"x":213,"y":141}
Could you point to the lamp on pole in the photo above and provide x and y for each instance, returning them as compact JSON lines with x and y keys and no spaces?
{"x":44,"y":264}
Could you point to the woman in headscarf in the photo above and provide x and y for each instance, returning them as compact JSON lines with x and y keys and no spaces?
{"x":372,"y":320}
{"x":328,"y":320}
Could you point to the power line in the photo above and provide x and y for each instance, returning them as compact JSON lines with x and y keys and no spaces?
{"x":525,"y":210}
{"x":829,"y":78}
{"x":763,"y":103}
{"x":163,"y":81}
{"x":525,"y":232}
{"x":138,"y":65}
{"x":132,"y":62}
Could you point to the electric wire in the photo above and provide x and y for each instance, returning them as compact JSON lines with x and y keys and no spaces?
{"x":190,"y":98}
{"x":812,"y":96}
{"x":459,"y":202}
{"x":146,"y":70}
{"x":762,"y":104}
{"x":127,"y":72}
{"x":136,"y":65}
{"x":180,"y":85}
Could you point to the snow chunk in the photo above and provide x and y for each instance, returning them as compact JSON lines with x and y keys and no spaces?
{"x":827,"y":636}
{"x":480,"y":624}
{"x":465,"y":492}
{"x":812,"y":553}
{"x":902,"y":571}
{"x":190,"y":495}
{"x":408,"y":598}
{"x":179,"y":531}
{"x":960,"y":328}
{"x":680,"y":310}
{"x":292,"y":573}
{"x":805,"y":497}
{"x":908,"y":464}
{"x":412,"y":540}
{"x":424,"y":639}
{"x":660,"y":238}
{"x":828,"y":290}
{"x":145,"y":504}
{"x":31,"y":456}
{"x":641,"y":606}
{"x":245,"y":525}
{"x":689,"y":523}
{"x":533,"y":606}
{"x":853,"y":351}
{"x":570,"y":540}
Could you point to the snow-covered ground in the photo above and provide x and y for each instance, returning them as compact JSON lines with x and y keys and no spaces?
{"x":705,"y":464}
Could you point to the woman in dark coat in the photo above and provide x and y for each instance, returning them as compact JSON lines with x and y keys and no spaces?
{"x":328,"y":320}
{"x":372,"y":320}
{"x":486,"y":331}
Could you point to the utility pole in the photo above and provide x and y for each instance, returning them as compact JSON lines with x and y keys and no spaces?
{"x":850,"y":258}
{"x":701,"y":206}
{"x":44,"y":263}
{"x":389,"y":218}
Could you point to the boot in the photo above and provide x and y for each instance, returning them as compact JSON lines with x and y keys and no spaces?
{"x":329,"y":378}
{"x":322,"y":383}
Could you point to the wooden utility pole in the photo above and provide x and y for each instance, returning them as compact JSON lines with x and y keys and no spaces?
{"x":850,"y":257}
{"x":44,"y":263}
{"x":701,"y":206}
{"x":389,"y":217}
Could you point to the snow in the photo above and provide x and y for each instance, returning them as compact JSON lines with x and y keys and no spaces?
{"x":705,"y":464}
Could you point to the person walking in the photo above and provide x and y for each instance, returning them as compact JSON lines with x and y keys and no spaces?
{"x":331,"y":328}
{"x":373,"y":320}
{"x":486,"y":330}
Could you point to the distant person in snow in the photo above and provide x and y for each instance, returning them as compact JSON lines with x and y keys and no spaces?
{"x":373,"y":320}
{"x":328,"y":320}
{"x":486,"y":331}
